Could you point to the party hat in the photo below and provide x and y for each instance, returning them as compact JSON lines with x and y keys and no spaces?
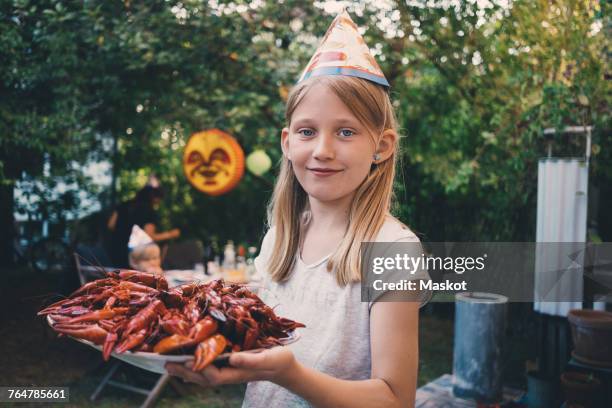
{"x":138,"y":238}
{"x":344,"y":52}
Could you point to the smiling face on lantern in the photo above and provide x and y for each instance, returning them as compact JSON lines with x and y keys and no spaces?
{"x":213,"y":161}
{"x":209,"y":169}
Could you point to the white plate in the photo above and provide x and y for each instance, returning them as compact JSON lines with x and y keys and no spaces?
{"x":156,"y":362}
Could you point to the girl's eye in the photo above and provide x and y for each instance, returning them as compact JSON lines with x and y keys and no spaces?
{"x":306,"y":132}
{"x":346,"y":133}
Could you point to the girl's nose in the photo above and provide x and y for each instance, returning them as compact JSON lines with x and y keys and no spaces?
{"x":325,"y":150}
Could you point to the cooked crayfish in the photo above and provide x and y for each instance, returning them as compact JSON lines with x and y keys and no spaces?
{"x":134,"y":311}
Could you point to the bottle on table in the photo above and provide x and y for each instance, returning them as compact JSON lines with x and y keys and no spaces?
{"x":208,"y":257}
{"x":251,"y":271}
{"x":241,"y":260}
{"x":229,"y":256}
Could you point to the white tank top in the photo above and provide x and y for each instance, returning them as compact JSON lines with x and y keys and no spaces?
{"x":336,"y":339}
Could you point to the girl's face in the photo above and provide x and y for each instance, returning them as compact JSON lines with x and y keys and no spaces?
{"x":330,"y":150}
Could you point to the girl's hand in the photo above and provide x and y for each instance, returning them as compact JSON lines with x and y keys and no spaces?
{"x":269,"y":365}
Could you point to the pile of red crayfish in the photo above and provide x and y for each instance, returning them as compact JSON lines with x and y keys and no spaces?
{"x":135,"y":311}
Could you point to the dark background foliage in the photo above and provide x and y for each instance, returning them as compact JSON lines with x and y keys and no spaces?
{"x":128,"y":82}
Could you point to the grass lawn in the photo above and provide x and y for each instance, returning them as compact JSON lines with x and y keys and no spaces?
{"x":34,"y":356}
{"x":436,"y":347}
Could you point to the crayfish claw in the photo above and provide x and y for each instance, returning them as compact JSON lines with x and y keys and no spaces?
{"x":208,"y":350}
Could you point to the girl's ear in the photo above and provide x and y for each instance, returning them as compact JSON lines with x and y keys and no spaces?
{"x":285,"y":142}
{"x":386,"y":145}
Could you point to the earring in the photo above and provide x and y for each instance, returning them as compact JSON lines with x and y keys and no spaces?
{"x":376,"y":156}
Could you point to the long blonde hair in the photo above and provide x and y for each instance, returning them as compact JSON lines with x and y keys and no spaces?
{"x":370,"y":103}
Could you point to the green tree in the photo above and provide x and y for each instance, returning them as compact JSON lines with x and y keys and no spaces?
{"x":129,"y":82}
{"x":42,"y":114}
{"x":479,"y":86}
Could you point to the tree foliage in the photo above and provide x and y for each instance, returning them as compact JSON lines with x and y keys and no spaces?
{"x":480,"y":86}
{"x":473,"y":86}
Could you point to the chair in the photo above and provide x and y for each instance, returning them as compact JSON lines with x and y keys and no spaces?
{"x":93,"y":255}
{"x":151,"y":394}
{"x":88,"y":273}
{"x":183,"y":255}
{"x":86,"y":261}
{"x":89,"y":261}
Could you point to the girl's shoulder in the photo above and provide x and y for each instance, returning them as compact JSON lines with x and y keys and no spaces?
{"x":394,"y":230}
{"x":268,"y":239}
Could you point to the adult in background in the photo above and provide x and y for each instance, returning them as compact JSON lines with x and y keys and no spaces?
{"x":141,"y":211}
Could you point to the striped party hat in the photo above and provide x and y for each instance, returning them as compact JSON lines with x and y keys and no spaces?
{"x":344,"y":52}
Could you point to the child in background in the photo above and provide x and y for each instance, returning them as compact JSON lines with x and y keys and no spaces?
{"x":144,"y":253}
{"x":333,"y":192}
{"x":142,"y":211}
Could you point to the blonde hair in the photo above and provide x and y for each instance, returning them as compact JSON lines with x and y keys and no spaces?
{"x":370,"y":103}
{"x":144,"y":253}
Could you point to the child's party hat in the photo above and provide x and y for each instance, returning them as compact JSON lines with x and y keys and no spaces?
{"x":138,"y":237}
{"x":343,"y":52}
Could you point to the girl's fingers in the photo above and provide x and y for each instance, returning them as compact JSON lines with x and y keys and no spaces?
{"x":232,"y":375}
{"x":269,"y":359}
{"x":187,"y":374}
{"x":248,"y":360}
{"x":226,"y":375}
{"x":244,"y":367}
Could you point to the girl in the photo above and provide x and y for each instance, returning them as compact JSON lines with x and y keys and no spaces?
{"x":333,"y":192}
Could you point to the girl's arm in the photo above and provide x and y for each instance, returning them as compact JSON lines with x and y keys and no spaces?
{"x":394,"y":334}
{"x":394,"y":349}
{"x":394,"y":343}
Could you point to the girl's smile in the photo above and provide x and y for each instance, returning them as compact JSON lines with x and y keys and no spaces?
{"x":323,"y":172}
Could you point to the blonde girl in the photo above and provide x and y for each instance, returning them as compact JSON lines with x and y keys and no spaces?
{"x":333,"y":192}
{"x":146,"y":258}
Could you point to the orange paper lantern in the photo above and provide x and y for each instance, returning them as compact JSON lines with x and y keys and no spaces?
{"x":213,"y":162}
